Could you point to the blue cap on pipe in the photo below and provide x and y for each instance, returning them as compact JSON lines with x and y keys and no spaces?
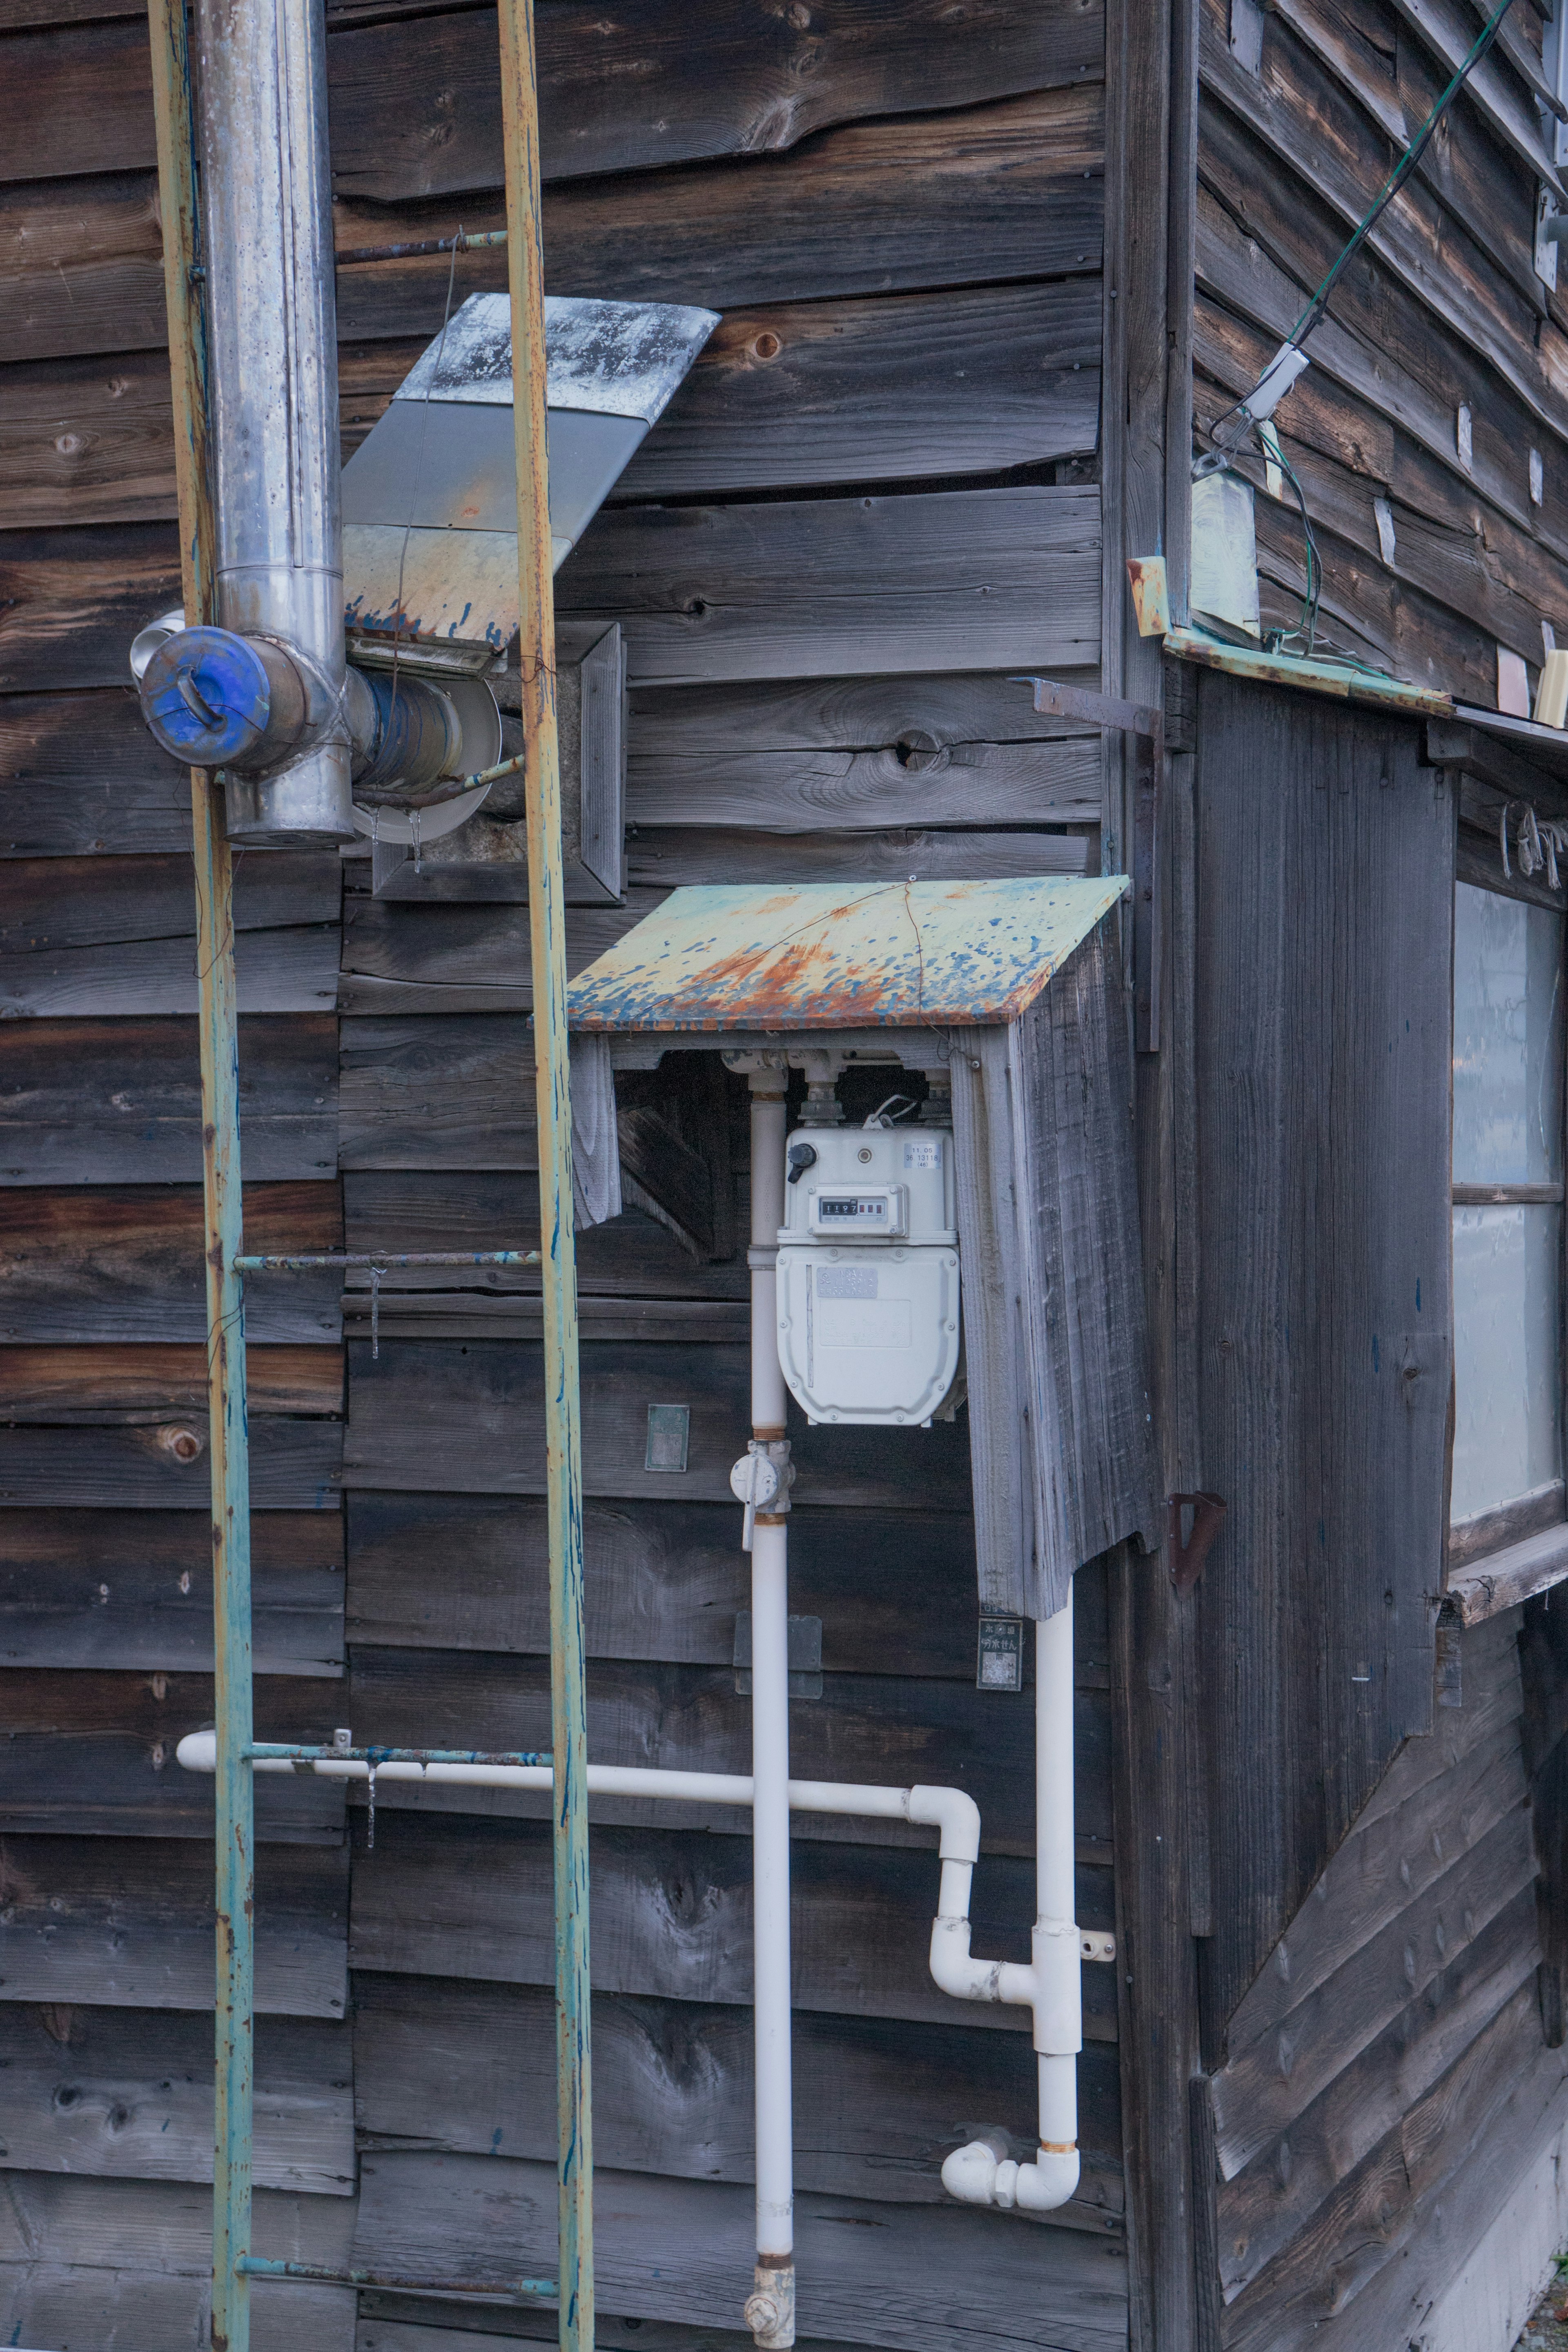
{"x":207,"y":697}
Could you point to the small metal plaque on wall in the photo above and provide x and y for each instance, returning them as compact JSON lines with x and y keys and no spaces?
{"x":668,"y":1436}
{"x":1000,"y":1662}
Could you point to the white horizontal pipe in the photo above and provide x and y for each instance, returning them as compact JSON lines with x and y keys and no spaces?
{"x":956,"y":1815}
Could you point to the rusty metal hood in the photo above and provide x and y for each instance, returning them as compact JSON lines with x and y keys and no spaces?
{"x":827,"y":955}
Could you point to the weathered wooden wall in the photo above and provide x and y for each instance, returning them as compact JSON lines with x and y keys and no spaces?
{"x":1431,"y":434}
{"x":1387,"y":2080}
{"x":876,"y":497}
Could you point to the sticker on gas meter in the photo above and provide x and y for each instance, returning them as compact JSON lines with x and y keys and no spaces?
{"x":924,"y":1152}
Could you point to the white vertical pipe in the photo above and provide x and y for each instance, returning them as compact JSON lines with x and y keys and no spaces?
{"x":770,"y":2310}
{"x":1058,"y":1985}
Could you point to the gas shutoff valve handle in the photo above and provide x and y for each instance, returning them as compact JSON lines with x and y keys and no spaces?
{"x":761,"y":1479}
{"x":801,"y":1156}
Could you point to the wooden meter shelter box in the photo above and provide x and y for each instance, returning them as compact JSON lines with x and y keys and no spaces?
{"x":1008,"y":992}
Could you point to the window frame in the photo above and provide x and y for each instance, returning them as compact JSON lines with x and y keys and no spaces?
{"x":1470,"y":1542}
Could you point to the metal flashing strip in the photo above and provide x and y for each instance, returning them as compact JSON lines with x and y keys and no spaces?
{"x":828,"y":955}
{"x":1360,"y":686}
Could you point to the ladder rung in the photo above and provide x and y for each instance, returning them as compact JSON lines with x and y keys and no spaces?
{"x":274,"y":1751}
{"x":384,"y":1258}
{"x":508,"y":2290}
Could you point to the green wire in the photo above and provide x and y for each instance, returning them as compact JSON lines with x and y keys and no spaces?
{"x":1398,"y":177}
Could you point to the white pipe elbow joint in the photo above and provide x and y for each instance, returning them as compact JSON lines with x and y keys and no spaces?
{"x":197,"y":1751}
{"x":956,"y":1815}
{"x":952,"y":1970}
{"x":975,"y":2175}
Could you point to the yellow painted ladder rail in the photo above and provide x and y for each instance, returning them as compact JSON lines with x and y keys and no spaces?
{"x":234,"y":2264}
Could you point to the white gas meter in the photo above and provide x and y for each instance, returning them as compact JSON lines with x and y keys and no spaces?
{"x":868,"y":1272}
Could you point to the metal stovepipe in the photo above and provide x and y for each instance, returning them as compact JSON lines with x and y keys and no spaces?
{"x":272,"y":357}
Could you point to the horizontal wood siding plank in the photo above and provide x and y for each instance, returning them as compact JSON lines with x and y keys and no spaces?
{"x":665,"y":1581}
{"x":672,"y":1913}
{"x":417,"y":1094}
{"x":679,"y":855}
{"x":789,"y":590}
{"x":126,"y":1263}
{"x":92,"y":1755}
{"x":128,"y":2093}
{"x":130,"y":1921}
{"x":794,"y":793}
{"x":480,"y":1412}
{"x":451,"y":2065}
{"x":143,"y":2311}
{"x":128,"y":1590}
{"x":941,"y":2277}
{"x":75,"y":598}
{"x":279,"y":971}
{"x":873,"y":208}
{"x":878,"y":388}
{"x":416,"y":106}
{"x":151,"y":1383}
{"x":689,"y":1718}
{"x":919,"y":715}
{"x":100,"y":1102}
{"x":400,"y":955}
{"x":628,"y":1256}
{"x":295,"y":1466}
{"x":55,"y":905}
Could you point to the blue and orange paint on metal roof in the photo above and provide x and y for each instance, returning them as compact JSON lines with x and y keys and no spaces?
{"x":824,"y":955}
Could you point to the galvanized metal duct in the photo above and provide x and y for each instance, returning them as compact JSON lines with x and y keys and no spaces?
{"x":272,"y":710}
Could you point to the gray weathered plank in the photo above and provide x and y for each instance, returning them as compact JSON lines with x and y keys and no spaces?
{"x":102,"y":1102}
{"x":438,"y":1093}
{"x":799,"y":588}
{"x":672,"y":1916}
{"x":132,"y":1590}
{"x":836,"y":791}
{"x":918,"y":715}
{"x":58,"y":905}
{"x":130,"y":1921}
{"x":126,"y":1263}
{"x":128,"y":2093}
{"x":483,"y":1315}
{"x":937,"y":2278}
{"x":470,"y":1419}
{"x":444,"y":2065}
{"x":146,"y":2310}
{"x":684,"y":854}
{"x":279,"y":971}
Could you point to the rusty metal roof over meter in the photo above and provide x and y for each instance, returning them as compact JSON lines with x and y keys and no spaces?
{"x":826,"y":955}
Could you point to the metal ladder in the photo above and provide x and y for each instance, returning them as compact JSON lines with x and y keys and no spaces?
{"x":234,"y":2264}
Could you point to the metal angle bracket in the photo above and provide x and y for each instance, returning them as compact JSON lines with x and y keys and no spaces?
{"x":1147,"y":727}
{"x":1209,"y":1517}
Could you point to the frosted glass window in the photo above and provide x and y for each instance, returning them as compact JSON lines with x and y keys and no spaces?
{"x":1507,"y":1328}
{"x":1508,"y":1040}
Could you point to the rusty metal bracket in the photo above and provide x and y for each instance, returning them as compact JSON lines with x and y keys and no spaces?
{"x":1147,"y":726}
{"x":1209,"y":1517}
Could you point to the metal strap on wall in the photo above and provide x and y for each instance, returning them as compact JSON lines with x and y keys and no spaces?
{"x":234,"y":2264}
